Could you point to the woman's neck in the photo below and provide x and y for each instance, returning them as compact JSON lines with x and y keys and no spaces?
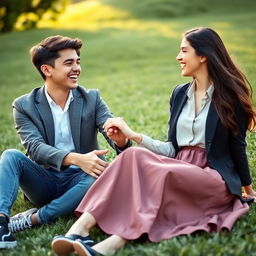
{"x":202,"y":83}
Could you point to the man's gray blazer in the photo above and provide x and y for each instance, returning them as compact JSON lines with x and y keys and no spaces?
{"x":35,"y":125}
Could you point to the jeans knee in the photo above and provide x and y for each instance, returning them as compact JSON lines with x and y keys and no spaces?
{"x":86,"y":182}
{"x":12,"y":154}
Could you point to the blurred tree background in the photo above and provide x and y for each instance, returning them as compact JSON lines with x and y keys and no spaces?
{"x":25,"y":14}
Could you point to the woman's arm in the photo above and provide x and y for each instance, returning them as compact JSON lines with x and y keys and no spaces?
{"x":156,"y":146}
{"x":238,"y":147}
{"x":117,"y":125}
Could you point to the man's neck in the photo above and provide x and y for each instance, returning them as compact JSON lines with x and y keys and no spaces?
{"x":58,"y":95}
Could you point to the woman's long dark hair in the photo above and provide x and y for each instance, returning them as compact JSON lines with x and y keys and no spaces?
{"x":231,"y":87}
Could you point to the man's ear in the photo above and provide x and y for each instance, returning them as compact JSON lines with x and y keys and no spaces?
{"x":203,"y":59}
{"x":46,"y":69}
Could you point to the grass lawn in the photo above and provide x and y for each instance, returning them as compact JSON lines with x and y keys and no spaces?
{"x":132,"y":61}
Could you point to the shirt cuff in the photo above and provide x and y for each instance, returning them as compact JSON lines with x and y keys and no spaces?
{"x":158,"y":147}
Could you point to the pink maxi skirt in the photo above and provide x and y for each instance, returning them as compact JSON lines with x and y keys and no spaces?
{"x":142,"y":192}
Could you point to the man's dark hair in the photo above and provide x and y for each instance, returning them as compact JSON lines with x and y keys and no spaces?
{"x":47,"y":51}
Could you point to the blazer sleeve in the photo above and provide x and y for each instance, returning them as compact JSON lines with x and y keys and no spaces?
{"x":31,"y":138}
{"x":102,"y":114}
{"x":238,"y":147}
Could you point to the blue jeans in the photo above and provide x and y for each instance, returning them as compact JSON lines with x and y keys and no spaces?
{"x":59,"y":192}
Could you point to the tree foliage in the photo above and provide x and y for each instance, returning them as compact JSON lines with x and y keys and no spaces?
{"x":28,"y":11}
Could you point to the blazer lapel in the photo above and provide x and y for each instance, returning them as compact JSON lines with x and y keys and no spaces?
{"x":75,"y":115}
{"x":180,"y":103}
{"x":46,"y":114}
{"x":210,"y":127}
{"x":180,"y":100}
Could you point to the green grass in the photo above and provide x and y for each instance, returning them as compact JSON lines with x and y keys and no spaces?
{"x":132,"y":62}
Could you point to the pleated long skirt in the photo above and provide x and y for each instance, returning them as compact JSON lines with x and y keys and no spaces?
{"x":142,"y":192}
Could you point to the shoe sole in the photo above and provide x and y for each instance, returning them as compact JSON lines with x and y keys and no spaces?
{"x":8,"y":245}
{"x":62,"y":246}
{"x":80,"y":249}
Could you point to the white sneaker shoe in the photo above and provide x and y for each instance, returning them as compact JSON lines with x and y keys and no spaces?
{"x":21,"y":221}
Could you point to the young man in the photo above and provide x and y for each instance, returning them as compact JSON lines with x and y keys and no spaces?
{"x":58,"y":125}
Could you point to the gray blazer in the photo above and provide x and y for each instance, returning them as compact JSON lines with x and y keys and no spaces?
{"x":34,"y":124}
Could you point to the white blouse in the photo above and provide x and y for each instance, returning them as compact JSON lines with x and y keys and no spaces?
{"x":190,"y":127}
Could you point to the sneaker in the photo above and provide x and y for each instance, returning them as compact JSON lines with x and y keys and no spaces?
{"x":83,"y":249}
{"x":6,"y":238}
{"x":63,"y":245}
{"x":21,"y":221}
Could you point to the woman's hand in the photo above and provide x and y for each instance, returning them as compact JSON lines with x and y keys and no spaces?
{"x":116,"y":127}
{"x":249,"y":192}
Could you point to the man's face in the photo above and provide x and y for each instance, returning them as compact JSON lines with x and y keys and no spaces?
{"x":66,"y":70}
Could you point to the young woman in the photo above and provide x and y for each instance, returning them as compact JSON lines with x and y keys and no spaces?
{"x":191,"y":182}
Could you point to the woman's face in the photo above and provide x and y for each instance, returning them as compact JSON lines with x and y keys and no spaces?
{"x":190,"y":63}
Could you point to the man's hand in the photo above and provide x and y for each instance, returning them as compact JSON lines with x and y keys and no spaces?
{"x":90,"y":163}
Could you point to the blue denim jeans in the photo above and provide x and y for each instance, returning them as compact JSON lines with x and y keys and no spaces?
{"x":58,"y":192}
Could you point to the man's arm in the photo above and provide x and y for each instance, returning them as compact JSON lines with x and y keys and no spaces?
{"x":118,"y":142}
{"x":33,"y":141}
{"x":47,"y":155}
